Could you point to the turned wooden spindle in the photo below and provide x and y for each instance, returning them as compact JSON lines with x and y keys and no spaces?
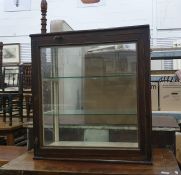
{"x":1,"y":53}
{"x":1,"y":63}
{"x":43,"y":14}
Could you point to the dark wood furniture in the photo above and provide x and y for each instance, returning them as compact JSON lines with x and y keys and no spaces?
{"x":26,"y":72}
{"x":8,"y":153}
{"x":11,"y":95}
{"x":9,"y":131}
{"x":1,"y":57}
{"x":163,"y":132}
{"x":16,"y":93}
{"x":1,"y":74}
{"x":43,"y":71}
{"x":43,"y":13}
{"x":163,"y":163}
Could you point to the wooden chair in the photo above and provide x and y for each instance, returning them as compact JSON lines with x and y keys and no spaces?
{"x":11,"y":94}
{"x":1,"y":76}
{"x":25,"y":70}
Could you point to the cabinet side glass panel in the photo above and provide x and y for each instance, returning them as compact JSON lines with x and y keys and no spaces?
{"x":89,"y":96}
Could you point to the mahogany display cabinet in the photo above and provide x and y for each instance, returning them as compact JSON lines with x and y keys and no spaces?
{"x":91,"y":95}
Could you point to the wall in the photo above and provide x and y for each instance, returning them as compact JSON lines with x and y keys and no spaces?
{"x":162,"y":15}
{"x":15,"y":27}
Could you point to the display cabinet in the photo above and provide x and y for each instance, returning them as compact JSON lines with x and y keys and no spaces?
{"x":91,"y":95}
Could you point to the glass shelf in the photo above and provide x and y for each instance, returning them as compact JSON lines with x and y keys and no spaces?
{"x":124,"y":127}
{"x":127,"y":145}
{"x":82,"y":112}
{"x":123,"y":75}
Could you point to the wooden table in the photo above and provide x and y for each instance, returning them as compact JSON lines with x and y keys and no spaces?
{"x":8,"y":98}
{"x":163,"y":131}
{"x":8,"y":131}
{"x":8,"y":153}
{"x":164,"y":162}
{"x":28,"y":103}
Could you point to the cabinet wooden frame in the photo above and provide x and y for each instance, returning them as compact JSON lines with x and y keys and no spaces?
{"x":137,"y":34}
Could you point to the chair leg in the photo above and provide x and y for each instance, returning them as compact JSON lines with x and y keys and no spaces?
{"x":10,"y":106}
{"x":21,"y":108}
{"x":4,"y":100}
{"x":27,"y":101}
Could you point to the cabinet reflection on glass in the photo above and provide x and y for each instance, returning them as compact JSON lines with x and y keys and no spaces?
{"x":90,"y":95}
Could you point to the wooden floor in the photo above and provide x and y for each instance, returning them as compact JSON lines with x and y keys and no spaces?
{"x":8,"y":153}
{"x":164,"y":162}
{"x":8,"y":131}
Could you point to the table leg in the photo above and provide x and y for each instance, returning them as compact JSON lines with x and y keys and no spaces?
{"x":10,"y":139}
{"x":10,"y":109}
{"x":4,"y":108}
{"x":27,"y":101}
